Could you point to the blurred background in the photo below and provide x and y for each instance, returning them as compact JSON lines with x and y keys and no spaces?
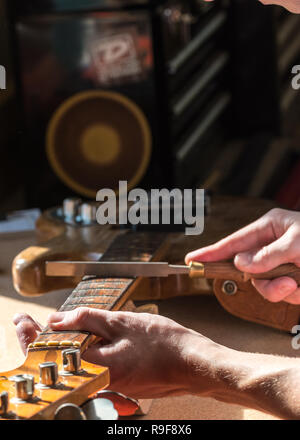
{"x":159,"y":93}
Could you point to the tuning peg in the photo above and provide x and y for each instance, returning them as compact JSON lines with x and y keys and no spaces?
{"x":48,"y":374}
{"x":71,"y":361}
{"x":3,"y":403}
{"x":24,"y":387}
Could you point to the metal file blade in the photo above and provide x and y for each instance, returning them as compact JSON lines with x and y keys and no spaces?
{"x":111,"y":269}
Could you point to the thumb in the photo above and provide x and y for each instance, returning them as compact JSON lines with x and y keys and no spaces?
{"x":265,"y":258}
{"x":27,"y":330}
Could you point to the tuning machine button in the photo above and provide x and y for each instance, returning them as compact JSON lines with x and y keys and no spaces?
{"x":24,"y":387}
{"x":48,"y":375}
{"x":3,"y":403}
{"x":71,"y":361}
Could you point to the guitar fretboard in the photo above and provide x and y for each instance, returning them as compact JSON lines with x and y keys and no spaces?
{"x":103,"y":293}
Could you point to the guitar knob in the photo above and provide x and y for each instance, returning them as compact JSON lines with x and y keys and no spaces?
{"x":3,"y":403}
{"x":71,"y":208}
{"x":48,"y":374}
{"x":24,"y":387}
{"x":88,"y":213}
{"x":71,"y":361}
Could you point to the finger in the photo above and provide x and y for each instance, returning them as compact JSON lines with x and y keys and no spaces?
{"x":98,"y":322}
{"x":276,"y":290}
{"x":18,"y":317}
{"x":108,"y":356}
{"x":99,"y":354}
{"x":294,"y":298}
{"x":254,"y":235}
{"x":265,"y":258}
{"x":27,"y":330}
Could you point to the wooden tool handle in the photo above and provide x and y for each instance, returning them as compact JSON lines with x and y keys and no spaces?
{"x":227,"y":270}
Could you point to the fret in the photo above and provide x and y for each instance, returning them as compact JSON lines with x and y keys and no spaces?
{"x":100,"y":299}
{"x":107,"y":291}
{"x":97,"y":296}
{"x":53,"y":332}
{"x":103,"y":293}
{"x":68,"y":308}
{"x":109,"y":284}
{"x":111,"y":290}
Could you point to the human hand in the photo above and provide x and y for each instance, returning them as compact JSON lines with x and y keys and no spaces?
{"x":271,"y":240}
{"x":148,"y":356}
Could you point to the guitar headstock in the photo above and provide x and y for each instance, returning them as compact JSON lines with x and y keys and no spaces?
{"x":47,"y":380}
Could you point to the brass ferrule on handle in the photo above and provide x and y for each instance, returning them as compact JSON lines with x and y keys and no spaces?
{"x":216,"y":270}
{"x":196,"y":270}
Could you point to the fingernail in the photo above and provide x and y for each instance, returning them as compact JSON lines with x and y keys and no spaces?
{"x":189,"y":256}
{"x":57,"y":317}
{"x":187,"y":259}
{"x":243,"y":259}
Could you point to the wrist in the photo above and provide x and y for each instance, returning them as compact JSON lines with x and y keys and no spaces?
{"x":214,"y":370}
{"x":263,"y":382}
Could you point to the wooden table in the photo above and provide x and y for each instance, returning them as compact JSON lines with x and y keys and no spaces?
{"x":202,"y":313}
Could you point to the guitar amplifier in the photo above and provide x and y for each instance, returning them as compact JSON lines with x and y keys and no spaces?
{"x":119,"y":90}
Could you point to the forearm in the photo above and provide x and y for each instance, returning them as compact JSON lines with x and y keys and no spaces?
{"x":263,"y":382}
